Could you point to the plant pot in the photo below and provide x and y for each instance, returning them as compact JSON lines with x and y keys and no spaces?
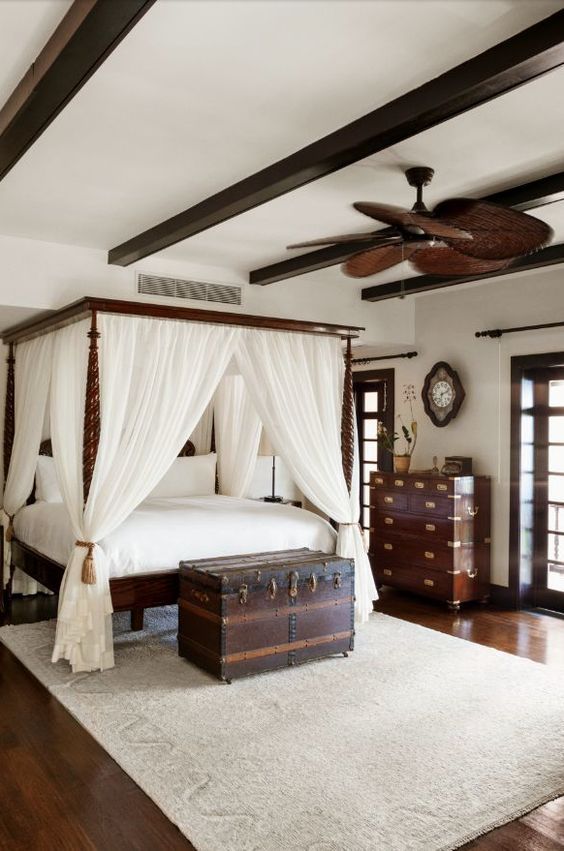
{"x":401,"y":463}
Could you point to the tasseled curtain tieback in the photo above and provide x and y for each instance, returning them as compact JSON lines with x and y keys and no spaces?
{"x":88,"y":571}
{"x":10,"y":529}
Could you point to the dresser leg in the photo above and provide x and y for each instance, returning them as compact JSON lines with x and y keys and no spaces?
{"x":453,"y":605}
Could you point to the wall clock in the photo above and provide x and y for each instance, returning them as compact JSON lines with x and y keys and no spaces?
{"x":442,"y":394}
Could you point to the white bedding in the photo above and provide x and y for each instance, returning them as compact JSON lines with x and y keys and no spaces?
{"x":162,"y":532}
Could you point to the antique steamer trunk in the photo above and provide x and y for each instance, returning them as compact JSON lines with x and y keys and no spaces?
{"x":431,"y":535}
{"x":249,"y":613}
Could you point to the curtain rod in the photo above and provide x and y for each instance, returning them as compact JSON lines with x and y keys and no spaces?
{"x":493,"y":333}
{"x":385,"y":357}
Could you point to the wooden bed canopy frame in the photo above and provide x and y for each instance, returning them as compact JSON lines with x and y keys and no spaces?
{"x":137,"y":592}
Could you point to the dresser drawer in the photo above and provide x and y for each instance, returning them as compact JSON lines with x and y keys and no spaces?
{"x":437,"y":485}
{"x":395,"y":550}
{"x":394,"y":500}
{"x":432,"y":583}
{"x":438,"y":506}
{"x":385,"y":522}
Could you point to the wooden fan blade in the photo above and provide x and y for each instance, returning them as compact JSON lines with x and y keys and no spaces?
{"x":497,"y":232}
{"x":410,"y":221}
{"x":374,"y":260}
{"x":447,"y":261}
{"x":346,"y":237}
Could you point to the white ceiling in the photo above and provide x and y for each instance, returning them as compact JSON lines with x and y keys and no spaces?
{"x":202,"y":94}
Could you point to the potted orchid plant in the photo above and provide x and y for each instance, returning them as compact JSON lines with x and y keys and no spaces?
{"x":402,"y":460}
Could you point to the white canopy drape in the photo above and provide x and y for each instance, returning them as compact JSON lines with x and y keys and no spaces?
{"x":156,"y":379}
{"x":296,"y":383}
{"x":32,"y":377}
{"x":201,"y":437}
{"x":237,"y":436}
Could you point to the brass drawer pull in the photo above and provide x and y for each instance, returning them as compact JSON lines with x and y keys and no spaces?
{"x":430,"y":505}
{"x":387,"y":572}
{"x":337,"y":580}
{"x":388,"y":546}
{"x":399,"y":483}
{"x":312,"y":583}
{"x":429,"y":582}
{"x":272,"y":588}
{"x":378,"y":481}
{"x":430,"y":527}
{"x":473,"y":511}
{"x":293,"y":589}
{"x":442,"y":487}
{"x":429,"y":555}
{"x":243,"y":594}
{"x":200,"y":595}
{"x":472,"y":572}
{"x":419,"y":485}
{"x":389,"y":521}
{"x":389,"y":500}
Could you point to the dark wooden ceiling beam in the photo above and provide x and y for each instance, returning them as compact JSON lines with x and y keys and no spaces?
{"x":500,"y":69}
{"x":550,"y":256}
{"x":86,"y":36}
{"x":526,"y":196}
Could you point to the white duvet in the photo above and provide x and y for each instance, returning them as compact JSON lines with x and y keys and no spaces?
{"x":162,"y":532}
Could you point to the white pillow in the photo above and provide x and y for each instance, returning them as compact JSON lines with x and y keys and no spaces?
{"x":188,"y":477}
{"x":46,"y":485}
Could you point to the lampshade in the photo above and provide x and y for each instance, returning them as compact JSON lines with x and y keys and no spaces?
{"x":265,"y":446}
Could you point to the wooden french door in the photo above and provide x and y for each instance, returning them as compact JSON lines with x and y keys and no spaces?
{"x":374,"y":400}
{"x":548,"y":492}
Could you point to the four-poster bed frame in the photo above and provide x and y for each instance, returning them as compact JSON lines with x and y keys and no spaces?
{"x":136,"y":592}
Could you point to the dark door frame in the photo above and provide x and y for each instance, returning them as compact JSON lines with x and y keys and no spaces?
{"x":387,"y":375}
{"x":520,"y":592}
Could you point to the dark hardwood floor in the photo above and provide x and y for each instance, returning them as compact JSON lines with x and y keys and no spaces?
{"x":60,"y":790}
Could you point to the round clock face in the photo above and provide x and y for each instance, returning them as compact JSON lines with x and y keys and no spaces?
{"x":442,"y":394}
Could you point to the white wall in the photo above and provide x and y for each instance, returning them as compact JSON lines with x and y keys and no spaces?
{"x":47,"y":275}
{"x":445,"y":323}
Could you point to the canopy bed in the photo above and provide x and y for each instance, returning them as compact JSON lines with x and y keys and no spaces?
{"x":120,"y":410}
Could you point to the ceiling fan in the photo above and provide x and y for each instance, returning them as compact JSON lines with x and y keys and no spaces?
{"x":460,"y":236}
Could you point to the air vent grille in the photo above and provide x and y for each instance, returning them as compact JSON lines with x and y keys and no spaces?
{"x":196,"y":290}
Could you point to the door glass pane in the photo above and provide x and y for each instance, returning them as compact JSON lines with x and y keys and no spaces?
{"x":371,"y":402}
{"x":366,"y":495}
{"x":366,"y":470}
{"x":366,"y":517}
{"x":556,"y":459}
{"x":555,"y":577}
{"x":370,"y":451}
{"x":556,"y":488}
{"x":527,"y":458}
{"x":556,"y":394}
{"x":556,"y":429}
{"x":370,"y":429}
{"x":556,"y":548}
{"x":556,"y":518}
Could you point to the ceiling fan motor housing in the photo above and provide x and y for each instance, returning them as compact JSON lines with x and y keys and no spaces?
{"x":419,"y":176}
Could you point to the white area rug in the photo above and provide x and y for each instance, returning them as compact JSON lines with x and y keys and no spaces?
{"x":416,"y":741}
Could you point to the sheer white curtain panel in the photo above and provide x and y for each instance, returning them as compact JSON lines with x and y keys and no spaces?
{"x":156,"y":379}
{"x":237,"y":436}
{"x":32,"y":378}
{"x":296,"y":384}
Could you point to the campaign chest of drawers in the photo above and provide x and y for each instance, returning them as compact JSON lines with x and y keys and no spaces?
{"x":431,"y":535}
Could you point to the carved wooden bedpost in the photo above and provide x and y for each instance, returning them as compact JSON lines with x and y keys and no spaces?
{"x":9,"y":411}
{"x":91,"y":436}
{"x":347,"y":419}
